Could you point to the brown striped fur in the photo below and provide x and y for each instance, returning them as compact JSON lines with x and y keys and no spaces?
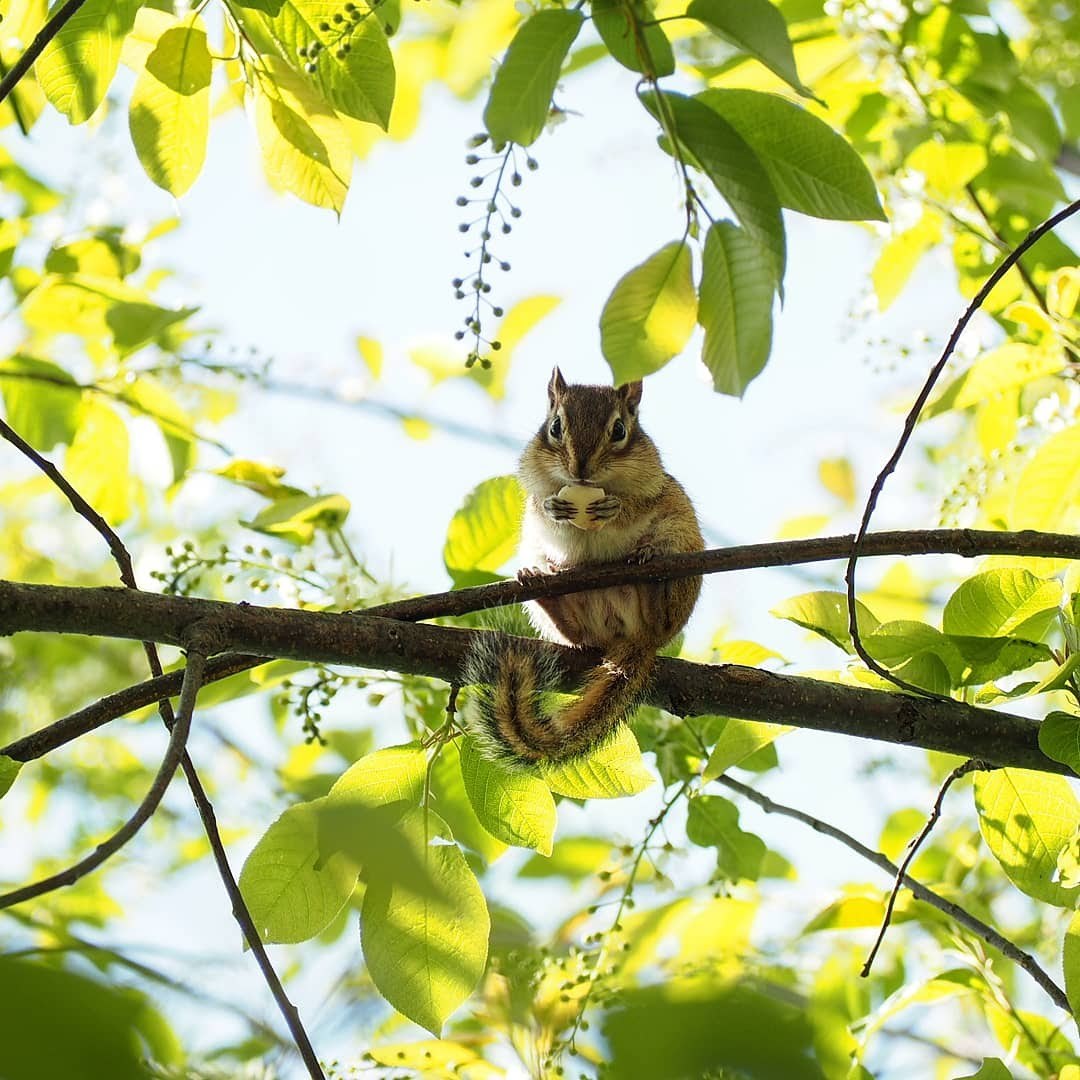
{"x":651,"y":515}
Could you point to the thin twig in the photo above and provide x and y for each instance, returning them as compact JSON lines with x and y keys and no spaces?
{"x":920,"y":891}
{"x":36,"y":47}
{"x":971,"y":765}
{"x":909,"y":427}
{"x":143,"y":812}
{"x":202,"y":802}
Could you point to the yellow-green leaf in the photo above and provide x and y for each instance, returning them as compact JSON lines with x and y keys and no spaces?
{"x":170,"y":107}
{"x":305,"y":147}
{"x":392,"y":774}
{"x":484,"y":533}
{"x":650,"y":314}
{"x":609,"y":772}
{"x":1070,"y":962}
{"x":426,"y":947}
{"x":97,"y":461}
{"x":1000,"y":603}
{"x":1048,"y":491}
{"x":515,"y":806}
{"x":1026,"y":819}
{"x":738,"y":740}
{"x":292,"y":891}
{"x":77,"y":66}
{"x":9,"y":769}
{"x":899,"y":257}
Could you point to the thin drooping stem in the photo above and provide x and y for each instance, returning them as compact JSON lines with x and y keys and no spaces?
{"x":193,"y":673}
{"x":912,"y":420}
{"x":971,"y":765}
{"x":920,"y":891}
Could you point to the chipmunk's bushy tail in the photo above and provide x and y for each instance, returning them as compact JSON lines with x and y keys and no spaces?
{"x":508,"y":718}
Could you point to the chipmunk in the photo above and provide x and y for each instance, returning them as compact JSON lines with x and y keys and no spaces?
{"x":590,"y":438}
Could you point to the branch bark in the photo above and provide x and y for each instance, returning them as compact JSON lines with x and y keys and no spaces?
{"x":370,"y":641}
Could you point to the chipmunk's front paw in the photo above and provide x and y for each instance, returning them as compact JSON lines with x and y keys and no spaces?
{"x":560,"y":509}
{"x":528,"y":574}
{"x":641,"y":554}
{"x":603,"y":509}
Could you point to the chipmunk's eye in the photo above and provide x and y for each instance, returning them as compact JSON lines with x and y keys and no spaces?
{"x":618,"y":431}
{"x":556,"y":429}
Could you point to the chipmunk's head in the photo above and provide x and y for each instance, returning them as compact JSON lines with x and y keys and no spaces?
{"x":591,"y":435}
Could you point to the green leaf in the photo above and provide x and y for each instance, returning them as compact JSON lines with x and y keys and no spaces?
{"x":1047,"y":494}
{"x":305,"y":147}
{"x":77,"y":66}
{"x":1068,"y":862}
{"x":393,"y":774}
{"x":813,"y":169}
{"x":713,"y":821}
{"x":1026,"y":819}
{"x":358,"y":83}
{"x":292,"y":891}
{"x":520,"y":97}
{"x":613,"y":24}
{"x":97,"y":461}
{"x":611,"y":771}
{"x":756,"y":27}
{"x":9,"y":769}
{"x":994,"y":658}
{"x":1010,"y":601}
{"x":735,"y":308}
{"x":484,"y":533}
{"x":947,"y":167}
{"x":170,"y":107}
{"x":1070,"y":962}
{"x":738,"y":740}
{"x":37,"y":404}
{"x":514,"y":806}
{"x":733,"y":167}
{"x":1059,"y":737}
{"x":296,"y":517}
{"x":452,"y":802}
{"x":826,"y":613}
{"x":426,"y":949}
{"x":649,"y":316}
{"x":991,"y":1069}
{"x":917,"y":653}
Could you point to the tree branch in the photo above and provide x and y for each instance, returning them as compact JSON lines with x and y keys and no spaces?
{"x":192,"y":681}
{"x":910,"y":422}
{"x":918,"y":889}
{"x":680,"y":687}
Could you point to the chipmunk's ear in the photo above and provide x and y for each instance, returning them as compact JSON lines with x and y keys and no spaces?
{"x":556,"y":387}
{"x":630,"y":396}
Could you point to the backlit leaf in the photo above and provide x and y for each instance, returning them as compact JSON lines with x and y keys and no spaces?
{"x":826,"y":613}
{"x":1009,"y":601}
{"x":1026,"y":819}
{"x":738,"y":740}
{"x":613,"y":770}
{"x":170,"y":107}
{"x":649,"y":316}
{"x":1047,"y":493}
{"x":426,"y":948}
{"x":484,"y":533}
{"x":36,"y":402}
{"x":513,"y":805}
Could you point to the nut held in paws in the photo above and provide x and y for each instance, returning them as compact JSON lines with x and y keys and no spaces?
{"x":582,"y":496}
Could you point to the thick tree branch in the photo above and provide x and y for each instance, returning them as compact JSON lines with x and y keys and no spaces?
{"x":912,"y":419}
{"x":192,"y":681}
{"x":918,"y":889}
{"x":682,"y":688}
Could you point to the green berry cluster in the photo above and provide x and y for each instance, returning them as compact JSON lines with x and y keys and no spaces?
{"x":307,"y":700}
{"x":497,"y":213}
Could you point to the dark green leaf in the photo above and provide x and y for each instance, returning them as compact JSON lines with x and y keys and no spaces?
{"x":615,"y":27}
{"x":731,"y":164}
{"x":1059,"y":738}
{"x":756,"y":27}
{"x":813,"y":169}
{"x":714,"y":822}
